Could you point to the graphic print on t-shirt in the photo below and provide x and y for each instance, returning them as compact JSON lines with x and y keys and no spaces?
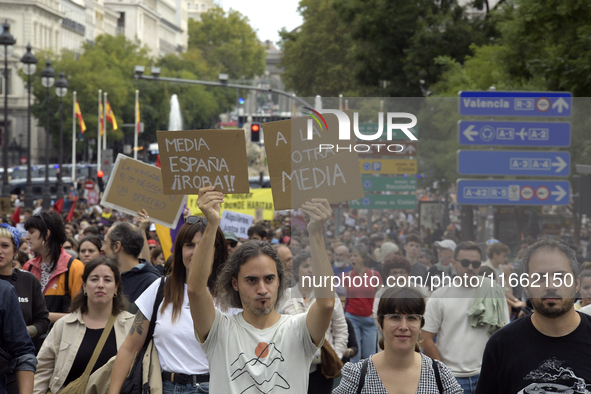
{"x":551,"y":377}
{"x":250,"y":372}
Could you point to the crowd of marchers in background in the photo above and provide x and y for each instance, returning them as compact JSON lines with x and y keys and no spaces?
{"x":78,"y":272}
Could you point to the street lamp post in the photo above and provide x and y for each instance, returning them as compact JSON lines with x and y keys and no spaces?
{"x":47,"y":80}
{"x":7,"y":41}
{"x":30,"y":62}
{"x":61,"y":89}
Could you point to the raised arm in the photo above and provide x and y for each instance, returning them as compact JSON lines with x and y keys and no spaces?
{"x":320,"y":312}
{"x":143,"y":222}
{"x":200,"y":300}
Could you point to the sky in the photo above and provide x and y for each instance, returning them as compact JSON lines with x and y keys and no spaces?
{"x":267,"y":17}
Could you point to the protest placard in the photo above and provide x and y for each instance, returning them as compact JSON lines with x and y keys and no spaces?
{"x":134,"y":186}
{"x":258,"y":215}
{"x":5,"y":206}
{"x":191,"y":159}
{"x":244,"y":203}
{"x":301,"y":169}
{"x":238,"y":223}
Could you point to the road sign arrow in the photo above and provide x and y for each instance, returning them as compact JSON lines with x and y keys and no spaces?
{"x":469,"y":133}
{"x":561,"y":104}
{"x":410,"y":149}
{"x":560,"y":193}
{"x":561,"y":164}
{"x":522,"y":134}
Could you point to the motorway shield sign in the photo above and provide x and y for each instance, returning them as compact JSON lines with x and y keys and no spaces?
{"x":528,"y":163}
{"x":493,"y":103}
{"x":513,"y":192}
{"x":388,"y":184}
{"x":384,"y":201}
{"x":524,"y":134}
{"x":387,"y":166}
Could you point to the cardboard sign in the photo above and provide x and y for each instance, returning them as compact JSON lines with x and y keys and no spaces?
{"x":5,"y":206}
{"x":134,"y":185}
{"x":238,"y":223}
{"x":258,"y":215}
{"x":244,"y":203}
{"x":300,"y":169}
{"x":192,"y":159}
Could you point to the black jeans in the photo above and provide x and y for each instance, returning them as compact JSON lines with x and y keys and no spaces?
{"x":319,"y":384}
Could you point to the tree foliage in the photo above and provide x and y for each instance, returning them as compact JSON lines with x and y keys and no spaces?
{"x":228,"y":43}
{"x":317,"y":58}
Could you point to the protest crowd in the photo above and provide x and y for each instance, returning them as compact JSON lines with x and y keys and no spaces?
{"x":86,"y":288}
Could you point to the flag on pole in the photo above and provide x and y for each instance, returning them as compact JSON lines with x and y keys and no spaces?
{"x":137,"y":111}
{"x":80,"y":119}
{"x":102,"y":112}
{"x":111,"y":116}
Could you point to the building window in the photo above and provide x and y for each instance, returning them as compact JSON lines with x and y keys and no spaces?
{"x":2,"y":81}
{"x":121,"y":24}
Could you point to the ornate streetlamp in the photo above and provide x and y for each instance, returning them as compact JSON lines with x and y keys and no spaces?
{"x":7,"y":41}
{"x":47,"y":80}
{"x":61,"y":89}
{"x":30,"y":66}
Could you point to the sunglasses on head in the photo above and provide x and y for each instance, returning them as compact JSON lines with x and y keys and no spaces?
{"x":196,"y":219}
{"x":465,"y":263}
{"x":38,"y":215}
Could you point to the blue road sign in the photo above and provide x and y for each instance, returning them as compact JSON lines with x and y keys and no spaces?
{"x":501,"y":192}
{"x":491,"y":133}
{"x":492,"y":103}
{"x":529,"y":163}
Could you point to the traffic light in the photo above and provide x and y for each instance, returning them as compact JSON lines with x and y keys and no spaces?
{"x":99,"y":175}
{"x":255,"y":132}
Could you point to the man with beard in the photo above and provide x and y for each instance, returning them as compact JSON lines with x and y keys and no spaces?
{"x":257,"y":350}
{"x":460,"y":343}
{"x":549,"y":350}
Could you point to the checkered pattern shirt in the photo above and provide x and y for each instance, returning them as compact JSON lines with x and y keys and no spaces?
{"x":373,"y":383}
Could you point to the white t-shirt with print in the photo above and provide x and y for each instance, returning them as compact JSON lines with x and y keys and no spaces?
{"x":246,"y":360}
{"x":178,"y":350}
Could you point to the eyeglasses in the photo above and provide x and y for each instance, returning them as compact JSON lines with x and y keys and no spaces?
{"x":38,"y":215}
{"x":465,"y":263}
{"x":196,"y":219}
{"x":394,"y":319}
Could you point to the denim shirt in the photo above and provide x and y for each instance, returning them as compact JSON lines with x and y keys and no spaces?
{"x":15,"y":338}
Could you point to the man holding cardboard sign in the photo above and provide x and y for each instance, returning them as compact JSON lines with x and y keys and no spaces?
{"x":257,"y":348}
{"x":193,"y":159}
{"x":300,"y":170}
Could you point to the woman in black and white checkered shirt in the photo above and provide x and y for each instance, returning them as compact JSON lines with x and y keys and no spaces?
{"x":400,"y":367}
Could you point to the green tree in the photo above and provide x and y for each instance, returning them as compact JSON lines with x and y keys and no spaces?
{"x":317,"y":58}
{"x":228,"y":43}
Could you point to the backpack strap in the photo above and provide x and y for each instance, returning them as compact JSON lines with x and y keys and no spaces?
{"x":67,"y":277}
{"x":437,"y":376}
{"x":362,"y":376}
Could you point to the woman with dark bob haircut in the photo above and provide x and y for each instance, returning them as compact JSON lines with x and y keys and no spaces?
{"x":400,"y":363}
{"x":182,"y":360}
{"x":72,"y":340}
{"x":59,"y":273}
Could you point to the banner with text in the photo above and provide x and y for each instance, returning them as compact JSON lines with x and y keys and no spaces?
{"x":238,"y":223}
{"x":243,"y":203}
{"x":134,"y":185}
{"x":302,"y":168}
{"x":192,"y":159}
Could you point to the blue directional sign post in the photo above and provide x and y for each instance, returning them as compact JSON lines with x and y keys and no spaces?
{"x":513,"y":192}
{"x":493,"y":103}
{"x":528,"y":163}
{"x":491,"y":133}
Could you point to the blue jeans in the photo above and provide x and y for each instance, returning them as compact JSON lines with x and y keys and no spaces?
{"x":469,"y":383}
{"x":366,"y":333}
{"x":175,"y":388}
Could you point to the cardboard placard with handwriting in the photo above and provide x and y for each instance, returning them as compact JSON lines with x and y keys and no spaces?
{"x":191,"y":159}
{"x":134,"y":186}
{"x":301,"y":169}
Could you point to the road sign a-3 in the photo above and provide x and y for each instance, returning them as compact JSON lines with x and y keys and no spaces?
{"x":526,"y":134}
{"x":493,"y":103}
{"x":513,"y":192}
{"x":527,"y":163}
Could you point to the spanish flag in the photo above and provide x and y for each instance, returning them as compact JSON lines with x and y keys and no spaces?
{"x":80,"y":119}
{"x":111,"y":116}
